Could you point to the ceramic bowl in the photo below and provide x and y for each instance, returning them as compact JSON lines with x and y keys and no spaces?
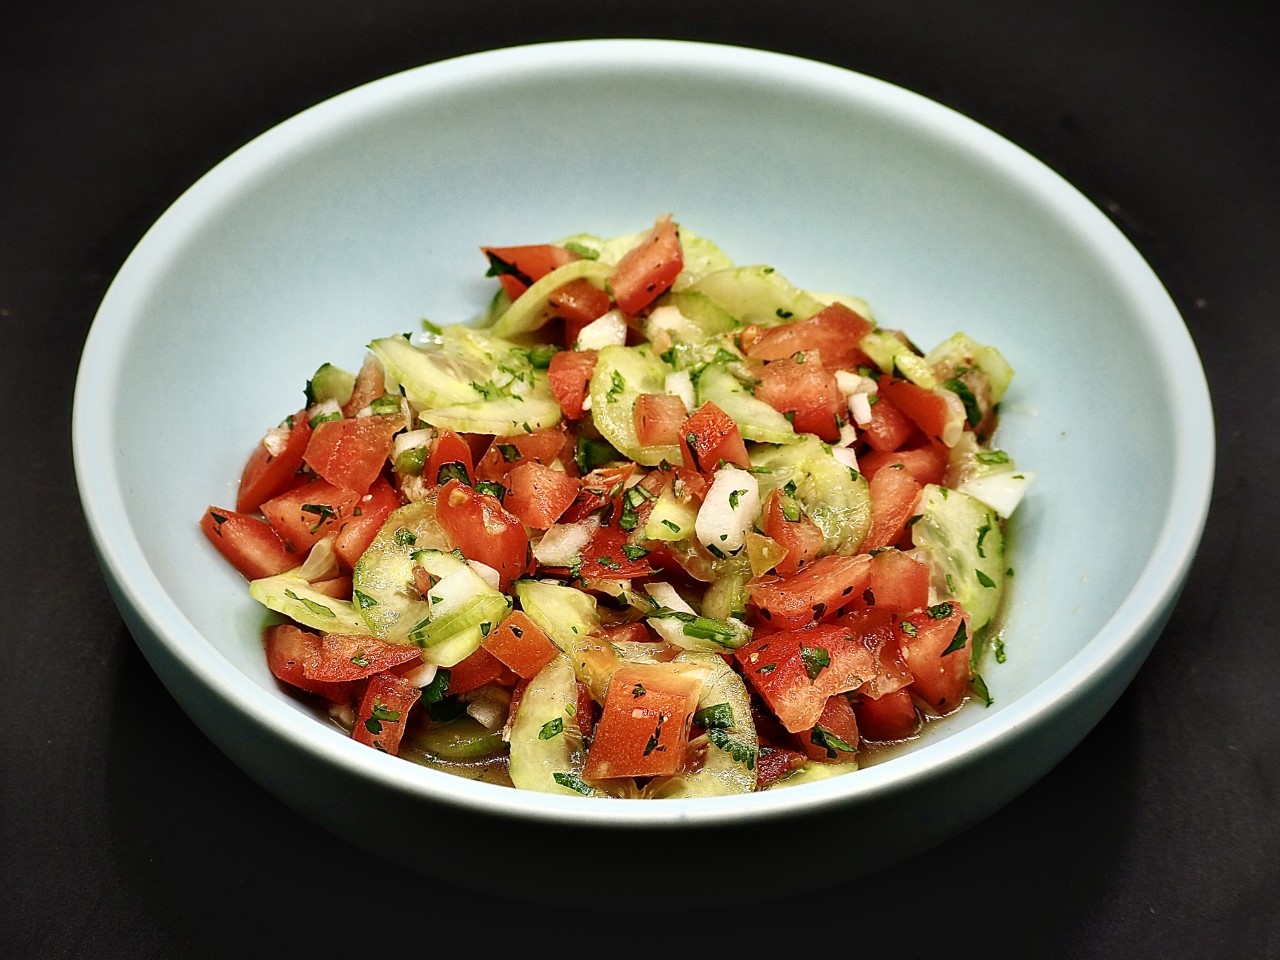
{"x":362,"y":215}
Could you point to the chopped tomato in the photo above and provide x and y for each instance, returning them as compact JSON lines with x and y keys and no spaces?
{"x":834,"y":738}
{"x":807,"y":391}
{"x":579,"y":302}
{"x":893,"y":502}
{"x":479,"y":526}
{"x":570,"y":374}
{"x":610,"y":556}
{"x":251,"y":545}
{"x":892,"y":717}
{"x":449,"y":458}
{"x":538,"y":494}
{"x":899,"y":582}
{"x":786,"y":522}
{"x":383,"y":712}
{"x":647,"y":271}
{"x":709,"y":437}
{"x":475,"y":670}
{"x":367,"y":516}
{"x":658,"y":418}
{"x":636,"y":632}
{"x":350,"y":453}
{"x":925,"y":408}
{"x":833,"y":332}
{"x":936,"y":644}
{"x":521,"y":644}
{"x":604,"y":485}
{"x":644,"y":725}
{"x":288,"y":649}
{"x":774,"y":763}
{"x":338,"y":587}
{"x":306,"y":514}
{"x":889,"y":427}
{"x":371,"y":383}
{"x":266,"y":475}
{"x":927,"y":462}
{"x":505,"y":453}
{"x":819,"y":591}
{"x":518,"y":268}
{"x":876,"y":629}
{"x":339,"y":656}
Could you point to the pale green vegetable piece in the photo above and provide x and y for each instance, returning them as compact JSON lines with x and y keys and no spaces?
{"x":382,"y":582}
{"x":547,"y":752}
{"x":960,"y":539}
{"x":531,"y":310}
{"x":835,"y":497}
{"x":621,"y":375}
{"x":291,"y":595}
{"x":756,"y":419}
{"x":757,"y":294}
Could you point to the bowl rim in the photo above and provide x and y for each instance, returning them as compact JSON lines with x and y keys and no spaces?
{"x":1140,"y":614}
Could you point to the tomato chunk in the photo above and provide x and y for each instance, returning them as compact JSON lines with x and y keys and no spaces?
{"x":658,"y":417}
{"x":539,"y":495}
{"x":893,"y":501}
{"x":518,"y":268}
{"x":889,"y":427}
{"x":570,"y":374}
{"x":358,"y":531}
{"x":288,"y":649}
{"x":306,"y":514}
{"x":450,"y":457}
{"x":804,"y":388}
{"x":505,"y":453}
{"x":610,"y":556}
{"x":350,"y":453}
{"x":265,"y":474}
{"x":475,"y":670}
{"x":479,"y":526}
{"x":834,"y":737}
{"x":785,"y":521}
{"x":833,"y":332}
{"x":892,"y":717}
{"x":251,"y":545}
{"x":384,"y":709}
{"x":819,"y":591}
{"x":709,"y":437}
{"x":899,"y":582}
{"x":936,"y":644}
{"x":644,"y":725}
{"x":579,"y":302}
{"x":371,"y":383}
{"x":647,"y":271}
{"x":521,"y":644}
{"x":927,"y":462}
{"x":343,"y":657}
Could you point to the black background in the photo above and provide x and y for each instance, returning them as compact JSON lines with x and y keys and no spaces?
{"x":124,"y":833}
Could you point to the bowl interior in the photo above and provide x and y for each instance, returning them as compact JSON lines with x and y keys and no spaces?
{"x":364,"y":215}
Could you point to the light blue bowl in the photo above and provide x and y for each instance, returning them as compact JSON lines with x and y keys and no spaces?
{"x":363,"y":215}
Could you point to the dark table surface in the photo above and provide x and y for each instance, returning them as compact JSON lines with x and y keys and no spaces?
{"x":124,"y":833}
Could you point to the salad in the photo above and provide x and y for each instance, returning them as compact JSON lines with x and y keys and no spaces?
{"x":654,"y":525}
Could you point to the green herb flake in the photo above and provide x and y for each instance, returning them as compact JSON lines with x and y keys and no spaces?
{"x":958,"y":641}
{"x":739,"y":751}
{"x":551,"y":729}
{"x":815,"y":660}
{"x":985,"y":580}
{"x":718,"y":716}
{"x":573,"y":782}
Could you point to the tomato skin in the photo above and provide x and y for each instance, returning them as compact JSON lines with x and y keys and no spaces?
{"x":605,"y":558}
{"x":579,"y":302}
{"x":383,"y":711}
{"x":505,"y":453}
{"x":448,"y":449}
{"x":941,"y":679}
{"x":570,"y":374}
{"x":539,"y":495}
{"x":358,"y":531}
{"x":265,"y":476}
{"x":288,"y":648}
{"x":519,"y":267}
{"x":710,"y":436}
{"x":479,"y":526}
{"x":889,"y":428}
{"x":475,"y":670}
{"x":819,"y":591}
{"x":833,"y":332}
{"x":926,"y":409}
{"x":658,"y":418}
{"x":801,"y":538}
{"x":835,"y":729}
{"x":927,"y":462}
{"x":307,"y":514}
{"x":350,"y":453}
{"x":892,"y":717}
{"x":644,"y":724}
{"x":893,"y":500}
{"x":807,"y":390}
{"x":249,"y":544}
{"x":647,"y":270}
{"x":340,"y":657}
{"x":371,"y":383}
{"x":521,"y":644}
{"x":774,"y":763}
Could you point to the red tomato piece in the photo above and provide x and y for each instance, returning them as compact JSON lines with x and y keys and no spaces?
{"x":899,"y":582}
{"x":926,"y":409}
{"x":338,"y":587}
{"x":804,"y":388}
{"x":801,"y":537}
{"x":371,"y":383}
{"x":892,"y":717}
{"x":384,"y":709}
{"x":518,"y":268}
{"x":647,"y":270}
{"x":521,"y":644}
{"x":644,"y":725}
{"x":350,"y":453}
{"x":604,"y":485}
{"x":927,"y":462}
{"x":449,"y":453}
{"x":710,"y":436}
{"x":833,"y":332}
{"x":876,"y":629}
{"x":636,"y":632}
{"x":367,"y":516}
{"x":579,"y":302}
{"x":774,"y":763}
{"x":479,"y":526}
{"x":475,"y":670}
{"x":570,"y":374}
{"x":539,"y":495}
{"x":611,"y":556}
{"x":658,"y":418}
{"x":505,"y":453}
{"x":893,"y":502}
{"x":249,"y":544}
{"x":310,"y":512}
{"x":288,"y":649}
{"x":834,"y":738}
{"x":343,"y":657}
{"x":819,"y":591}
{"x":266,"y":475}
{"x":889,"y":427}
{"x":936,"y":645}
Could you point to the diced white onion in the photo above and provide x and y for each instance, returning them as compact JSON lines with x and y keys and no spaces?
{"x":326,"y":408}
{"x":848,"y":434}
{"x":667,"y":596}
{"x":487,"y":573}
{"x":488,"y":713}
{"x":666,"y":318}
{"x":276,"y":440}
{"x":846,"y":456}
{"x":411,"y":440}
{"x":860,"y":408}
{"x":563,"y":543}
{"x":728,"y":509}
{"x":1002,"y":492}
{"x":956,"y":415}
{"x":609,"y":330}
{"x":680,"y":384}
{"x":420,"y":676}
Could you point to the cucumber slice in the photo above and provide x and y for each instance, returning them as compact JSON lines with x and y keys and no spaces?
{"x":503,"y":416}
{"x":621,"y":375}
{"x":330,"y":383}
{"x":694,"y":318}
{"x":456,"y":629}
{"x":889,"y":353}
{"x":531,"y":309}
{"x":961,"y":540}
{"x":430,"y":377}
{"x":960,"y":350}
{"x":835,"y":497}
{"x":670,"y":519}
{"x":569,"y":618}
{"x":291,"y":595}
{"x":462,"y":739}
{"x":546,"y":751}
{"x":382,"y":581}
{"x":757,"y":294}
{"x":756,"y":419}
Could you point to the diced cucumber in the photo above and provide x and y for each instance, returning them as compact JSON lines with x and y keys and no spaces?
{"x":430,"y":377}
{"x":889,"y":353}
{"x":568,"y":616}
{"x":464,"y":738}
{"x":670,"y":519}
{"x":546,"y":750}
{"x":291,"y":595}
{"x":458,"y":627}
{"x":960,"y":350}
{"x":835,"y":497}
{"x":621,"y":375}
{"x":756,"y":419}
{"x":382,"y":581}
{"x":696,"y":317}
{"x":757,"y":294}
{"x":502,"y":416}
{"x":530,"y":310}
{"x":960,"y":539}
{"x":330,"y":383}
